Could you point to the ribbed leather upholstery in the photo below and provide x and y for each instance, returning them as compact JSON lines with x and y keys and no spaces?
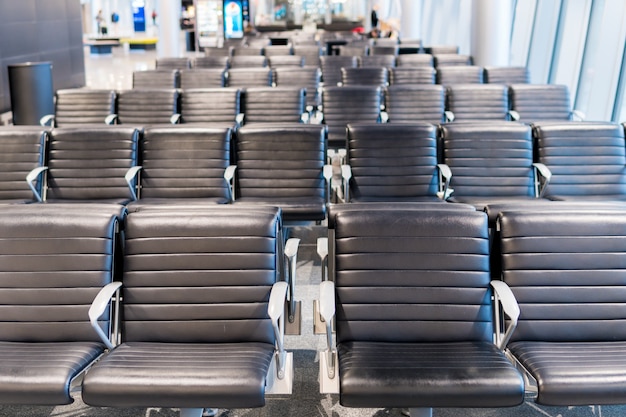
{"x":247,"y":61}
{"x":212,"y":62}
{"x":507,"y":75}
{"x":441,"y":49}
{"x":393,"y":162}
{"x":383,"y":50}
{"x":172,"y":63}
{"x":331,"y":68}
{"x":349,"y":104}
{"x":281,"y":165}
{"x":461,"y":74}
{"x":196,"y":329}
{"x":414,"y":315}
{"x":89,"y":163}
{"x":276,"y":50}
{"x":53,"y":262}
{"x":247,"y":50}
{"x":214,"y":51}
{"x":210,"y":105}
{"x":490,"y":162}
{"x":415,"y":103}
{"x":250,"y":77}
{"x":308,"y":77}
{"x":566,"y":271}
{"x":587,"y":160}
{"x":184,"y":162}
{"x":415,"y":60}
{"x":311,"y":54}
{"x":23,"y":149}
{"x":202,"y":78}
{"x":471,"y":102}
{"x":274,"y":104}
{"x":144,"y":107}
{"x":352,"y":50}
{"x":286,"y":61}
{"x":449,"y":59}
{"x":412,"y":75}
{"x":152,"y":79}
{"x":81,"y":106}
{"x":376,"y":76}
{"x":387,"y":61}
{"x":536,"y":102}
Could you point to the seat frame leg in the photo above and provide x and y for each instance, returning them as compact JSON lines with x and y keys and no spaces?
{"x":191,"y":412}
{"x":421,"y":412}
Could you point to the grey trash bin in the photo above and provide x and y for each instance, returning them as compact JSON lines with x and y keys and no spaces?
{"x":32,"y":94}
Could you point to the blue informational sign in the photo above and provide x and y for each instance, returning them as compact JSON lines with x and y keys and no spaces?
{"x":139,"y":15}
{"x":233,"y":19}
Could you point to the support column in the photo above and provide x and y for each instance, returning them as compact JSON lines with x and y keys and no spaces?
{"x":168,"y":21}
{"x":411,"y":20}
{"x":492,"y":21}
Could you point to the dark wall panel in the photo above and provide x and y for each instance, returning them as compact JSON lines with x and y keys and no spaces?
{"x":41,"y":30}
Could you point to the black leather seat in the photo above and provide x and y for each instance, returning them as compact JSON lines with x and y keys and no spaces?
{"x":353,"y":50}
{"x":282,"y":165}
{"x":412,"y":75}
{"x":75,"y":106}
{"x":172,"y":63}
{"x":331,"y":68}
{"x":211,"y":62}
{"x":277,"y":50}
{"x":473,"y":102}
{"x":249,"y":77}
{"x":407,"y":103}
{"x":587,"y":160}
{"x":311,"y":54}
{"x":203,"y":78}
{"x":308,"y":77}
{"x":566,"y":272}
{"x":184,"y":164}
{"x":381,"y":60}
{"x":23,"y":150}
{"x":218,"y":51}
{"x":156,"y":79}
{"x":375,"y":50}
{"x":90,"y":164}
{"x":248,"y":50}
{"x":210,"y":105}
{"x":538,"y":102}
{"x":507,"y":75}
{"x":376,"y":76}
{"x":203,"y":336}
{"x":461,"y":74}
{"x":274,"y":104}
{"x":278,"y":61}
{"x":145,"y":107}
{"x":54,"y":262}
{"x":441,"y":49}
{"x":450,"y":59}
{"x":246,"y":61}
{"x":417,"y":356}
{"x":415,"y":60}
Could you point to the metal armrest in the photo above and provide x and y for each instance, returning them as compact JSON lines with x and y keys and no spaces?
{"x":544,"y":171}
{"x":514,"y":115}
{"x":111,"y":119}
{"x":384,"y":117}
{"x":578,"y":115}
{"x":47,"y":120}
{"x":445,"y":175}
{"x":99,"y":306}
{"x":130,"y":175}
{"x":31,"y":177}
{"x":449,"y":116}
{"x":239,"y":119}
{"x":175,"y":119}
{"x":276,"y":309}
{"x":322,"y":252}
{"x":328,"y":358}
{"x":291,"y":254}
{"x":328,"y":176}
{"x":305,"y":117}
{"x":346,"y":175}
{"x":229,"y":176}
{"x":504,"y":298}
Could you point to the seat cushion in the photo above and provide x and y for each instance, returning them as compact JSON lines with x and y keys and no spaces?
{"x":463,"y":374}
{"x":136,"y":374}
{"x":183,"y":202}
{"x":293,"y":208}
{"x":589,"y":198}
{"x":41,"y":373}
{"x":419,"y":199}
{"x":575,"y":373}
{"x":481,"y":202}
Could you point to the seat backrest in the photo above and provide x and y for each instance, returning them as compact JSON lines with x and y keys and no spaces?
{"x":281,"y":161}
{"x":210,"y":105}
{"x":434,"y":264}
{"x":331,"y":68}
{"x":152,"y":79}
{"x":383,"y":50}
{"x":507,"y":75}
{"x":392,"y":160}
{"x":273,"y":104}
{"x":415,"y":60}
{"x":82,"y":106}
{"x":199,"y":277}
{"x":249,"y":77}
{"x":387,"y":61}
{"x":441,"y":60}
{"x":349,"y":104}
{"x":352,"y":50}
{"x":376,"y":76}
{"x":216,"y":62}
{"x":185,"y":161}
{"x":170,"y":63}
{"x":247,"y":61}
{"x":478,"y":101}
{"x":311,"y":54}
{"x":412,"y":75}
{"x":566,"y":272}
{"x":537,"y":102}
{"x":23,"y":149}
{"x":441,"y":49}
{"x":308,"y":77}
{"x":89,"y":163}
{"x":143,"y":107}
{"x":247,"y":50}
{"x":491,"y":159}
{"x":202,"y":78}
{"x":274,"y":50}
{"x":585,"y":158}
{"x":415,"y":103}
{"x":53,"y":263}
{"x":286,"y":61}
{"x":461,"y":74}
{"x":213,"y":51}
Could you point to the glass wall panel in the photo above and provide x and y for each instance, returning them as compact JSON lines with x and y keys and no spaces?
{"x":543,"y":40}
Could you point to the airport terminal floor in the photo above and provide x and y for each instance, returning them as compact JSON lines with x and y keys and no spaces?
{"x":115,"y":72}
